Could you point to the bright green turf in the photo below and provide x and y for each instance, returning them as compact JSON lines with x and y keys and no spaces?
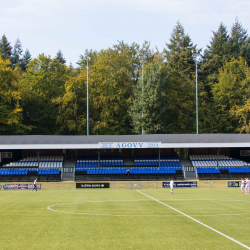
{"x":26,"y":223}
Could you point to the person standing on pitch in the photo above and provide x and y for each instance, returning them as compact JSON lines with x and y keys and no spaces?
{"x":35,"y":185}
{"x":247,"y":186}
{"x":172,"y":186}
{"x":242,"y":185}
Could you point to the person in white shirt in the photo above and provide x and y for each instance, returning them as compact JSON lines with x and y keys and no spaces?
{"x":242,"y":185}
{"x":172,"y":186}
{"x":35,"y":185}
{"x":247,"y":186}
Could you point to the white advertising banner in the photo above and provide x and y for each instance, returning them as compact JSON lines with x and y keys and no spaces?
{"x":129,"y":144}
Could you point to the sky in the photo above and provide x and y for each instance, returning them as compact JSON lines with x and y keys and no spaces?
{"x":72,"y":26}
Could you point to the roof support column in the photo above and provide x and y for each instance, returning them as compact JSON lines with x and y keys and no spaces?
{"x":99,"y":156}
{"x":218,"y":157}
{"x":159,"y":158}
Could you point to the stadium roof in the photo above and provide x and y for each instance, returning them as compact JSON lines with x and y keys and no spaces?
{"x":124,"y":141}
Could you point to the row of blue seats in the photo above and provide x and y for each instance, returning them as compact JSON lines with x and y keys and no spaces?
{"x":23,"y":161}
{"x":101,"y":157}
{"x":234,"y":170}
{"x":208,"y":171}
{"x":153,"y":157}
{"x":230,"y":169}
{"x":107,"y":163}
{"x":213,"y":160}
{"x":132,"y":170}
{"x":162,"y":164}
{"x":48,"y":171}
{"x":95,"y":164}
{"x":14,"y":172}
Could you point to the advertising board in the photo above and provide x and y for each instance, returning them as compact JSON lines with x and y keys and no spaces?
{"x":233,"y":183}
{"x":92,"y":185}
{"x":180,"y":184}
{"x":21,"y":186}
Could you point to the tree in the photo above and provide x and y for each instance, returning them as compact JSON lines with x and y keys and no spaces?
{"x":11,"y":95}
{"x":17,"y":54}
{"x":25,"y":60}
{"x":216,"y":54}
{"x":45,"y":79}
{"x":179,"y":52}
{"x":72,"y":105}
{"x":181,"y":91}
{"x":230,"y":94}
{"x":60,"y":58}
{"x":243,"y":114}
{"x":5,"y":49}
{"x":151,"y":101}
{"x":237,"y":39}
{"x":245,"y":51}
{"x":112,"y":76}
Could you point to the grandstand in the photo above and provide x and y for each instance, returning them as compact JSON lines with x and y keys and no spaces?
{"x":149,"y":157}
{"x":113,"y":168}
{"x":46,"y":168}
{"x":219,"y":167}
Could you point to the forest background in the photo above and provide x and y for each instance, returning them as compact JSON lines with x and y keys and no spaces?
{"x":44,"y":96}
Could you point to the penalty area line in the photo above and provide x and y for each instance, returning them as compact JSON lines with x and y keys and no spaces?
{"x":226,"y":236}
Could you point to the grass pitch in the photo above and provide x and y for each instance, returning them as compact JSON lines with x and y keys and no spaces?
{"x":124,"y":219}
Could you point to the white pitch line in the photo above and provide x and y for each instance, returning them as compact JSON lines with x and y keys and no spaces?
{"x":226,"y":236}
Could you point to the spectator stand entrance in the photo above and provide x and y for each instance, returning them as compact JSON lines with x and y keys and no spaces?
{"x":148,"y":157}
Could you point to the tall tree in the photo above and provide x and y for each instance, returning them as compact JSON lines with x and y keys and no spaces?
{"x":245,"y":51}
{"x":149,"y":109}
{"x":112,"y":76}
{"x":72,"y":105}
{"x":216,"y":54}
{"x":237,"y":39}
{"x":45,"y":78}
{"x":231,"y":91}
{"x":17,"y":54}
{"x":11,"y":95}
{"x":179,"y":52}
{"x":5,"y":48}
{"x":181,"y":95}
{"x":25,"y":60}
{"x":60,"y":58}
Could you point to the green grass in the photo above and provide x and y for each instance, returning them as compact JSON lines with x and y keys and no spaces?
{"x":123,"y":219}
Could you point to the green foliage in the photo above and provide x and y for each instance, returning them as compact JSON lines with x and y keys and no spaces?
{"x":179,"y":52}
{"x":45,"y":79}
{"x":17,"y":54}
{"x":25,"y":60}
{"x":5,"y":49}
{"x":231,"y":91}
{"x":216,"y":54}
{"x":150,"y":99}
{"x":51,"y":98}
{"x":11,"y":95}
{"x":245,"y":51}
{"x":60,"y":58}
{"x":112,"y":77}
{"x":72,"y":105}
{"x":181,"y":91}
{"x":237,"y":39}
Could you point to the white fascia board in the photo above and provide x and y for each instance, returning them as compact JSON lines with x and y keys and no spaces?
{"x":50,"y":146}
{"x":205,"y":145}
{"x":97,"y":146}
